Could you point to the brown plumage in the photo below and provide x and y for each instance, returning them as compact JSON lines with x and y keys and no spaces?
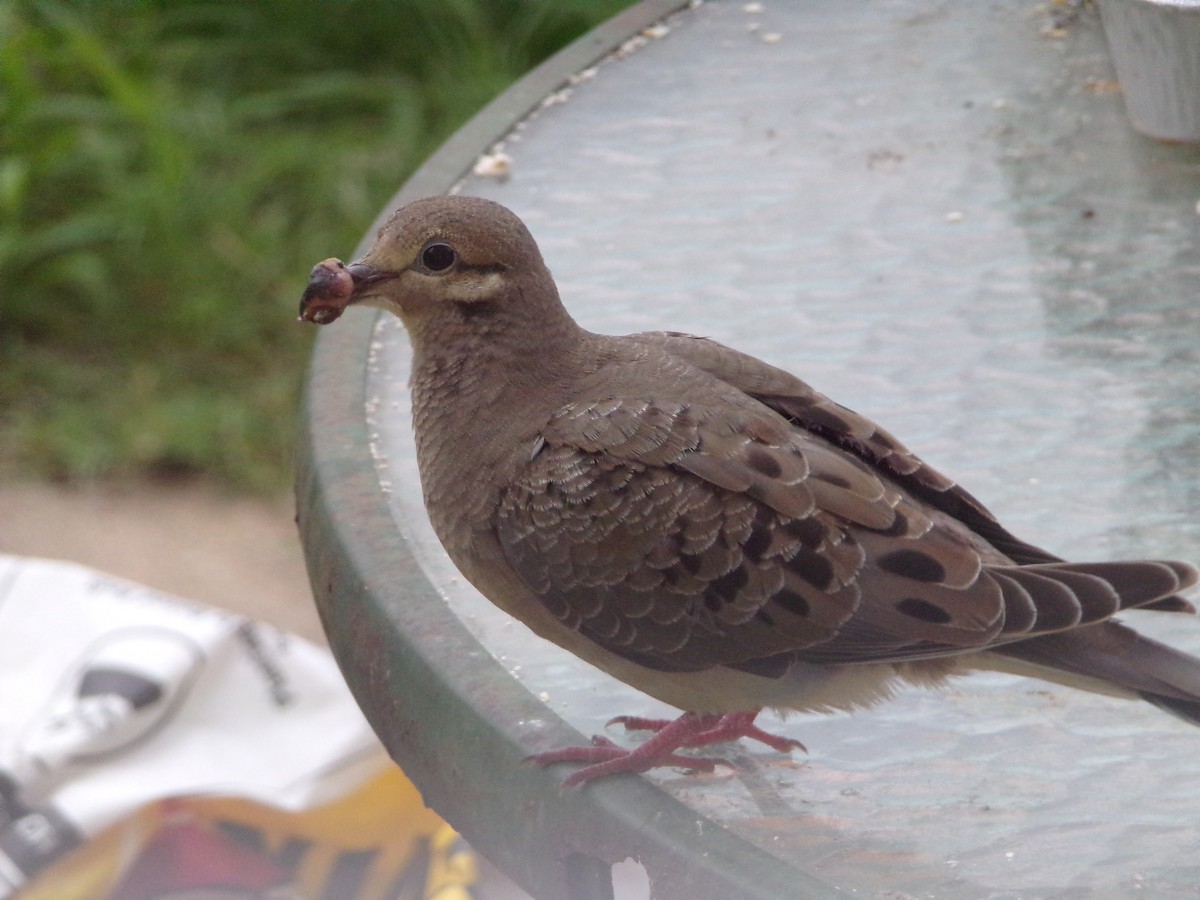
{"x":707,"y":527}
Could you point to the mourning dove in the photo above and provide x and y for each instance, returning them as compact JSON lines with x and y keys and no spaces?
{"x":704,"y":526}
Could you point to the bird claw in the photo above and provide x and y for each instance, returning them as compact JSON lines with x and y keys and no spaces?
{"x":638,"y":723}
{"x":606,"y":758}
{"x":741,"y":725}
{"x":715,"y":730}
{"x":629,"y":761}
{"x":688,"y":731}
{"x":601,"y":750}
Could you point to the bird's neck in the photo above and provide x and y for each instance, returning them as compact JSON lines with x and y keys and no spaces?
{"x":489,"y":363}
{"x":482,"y":390}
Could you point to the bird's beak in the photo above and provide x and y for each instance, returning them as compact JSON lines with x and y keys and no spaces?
{"x":333,"y":286}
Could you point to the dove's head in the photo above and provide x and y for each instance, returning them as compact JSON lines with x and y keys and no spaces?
{"x":441,"y":260}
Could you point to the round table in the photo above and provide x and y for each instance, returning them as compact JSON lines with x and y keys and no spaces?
{"x":936,"y":213}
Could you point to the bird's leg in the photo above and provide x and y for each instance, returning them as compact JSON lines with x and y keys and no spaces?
{"x":638,"y":723}
{"x":732,"y":726}
{"x":609,"y":759}
{"x":716,"y":730}
{"x":688,"y":731}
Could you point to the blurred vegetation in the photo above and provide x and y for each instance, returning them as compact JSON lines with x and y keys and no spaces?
{"x":170,"y":171}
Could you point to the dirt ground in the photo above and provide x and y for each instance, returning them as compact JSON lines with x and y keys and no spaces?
{"x":192,"y":540}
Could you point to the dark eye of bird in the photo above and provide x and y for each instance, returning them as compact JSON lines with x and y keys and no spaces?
{"x":438,"y":257}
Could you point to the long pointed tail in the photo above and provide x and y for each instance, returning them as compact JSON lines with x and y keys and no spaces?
{"x":1109,"y":656}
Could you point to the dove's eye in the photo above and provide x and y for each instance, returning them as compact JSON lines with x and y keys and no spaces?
{"x":438,"y":257}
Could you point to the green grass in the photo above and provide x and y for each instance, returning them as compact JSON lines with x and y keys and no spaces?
{"x":170,"y":171}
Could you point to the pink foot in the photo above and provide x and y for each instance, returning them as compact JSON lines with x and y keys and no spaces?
{"x":689,"y":730}
{"x":606,"y":758}
{"x":717,"y":730}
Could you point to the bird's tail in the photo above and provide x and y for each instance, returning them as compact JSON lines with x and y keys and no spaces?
{"x":1110,"y":658}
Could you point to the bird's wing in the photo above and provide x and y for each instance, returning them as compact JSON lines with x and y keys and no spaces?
{"x":809,"y":409}
{"x":684,"y":536}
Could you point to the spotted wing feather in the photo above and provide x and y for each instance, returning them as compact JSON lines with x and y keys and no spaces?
{"x":688,"y":536}
{"x":811,"y":410}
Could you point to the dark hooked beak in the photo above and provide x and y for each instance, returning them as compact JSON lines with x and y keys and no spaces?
{"x":333,"y":286}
